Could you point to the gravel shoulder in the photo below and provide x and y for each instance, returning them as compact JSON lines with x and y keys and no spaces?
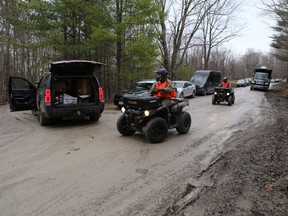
{"x":251,"y":178}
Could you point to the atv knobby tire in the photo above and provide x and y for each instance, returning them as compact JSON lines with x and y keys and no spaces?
{"x":214,"y":99}
{"x":156,"y":130}
{"x":230,"y":101}
{"x":123,"y":127}
{"x":184,"y":123}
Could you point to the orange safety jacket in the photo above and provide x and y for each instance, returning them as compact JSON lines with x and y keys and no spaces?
{"x":163,"y":94}
{"x":225,"y":85}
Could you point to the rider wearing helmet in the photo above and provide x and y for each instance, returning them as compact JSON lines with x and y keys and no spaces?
{"x":163,"y":87}
{"x":225,"y":83}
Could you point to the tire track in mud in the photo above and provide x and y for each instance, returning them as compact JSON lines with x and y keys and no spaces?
{"x":162,"y":194}
{"x":53,"y":204}
{"x":204,"y":178}
{"x":134,"y":199}
{"x":45,"y":201}
{"x":19,"y":126}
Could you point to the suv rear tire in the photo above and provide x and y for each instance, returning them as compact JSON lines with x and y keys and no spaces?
{"x":94,"y":117}
{"x":44,"y":121}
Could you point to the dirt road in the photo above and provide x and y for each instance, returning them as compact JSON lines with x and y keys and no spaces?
{"x":84,"y":168}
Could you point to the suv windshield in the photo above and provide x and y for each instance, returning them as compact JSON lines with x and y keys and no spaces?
{"x":141,"y":86}
{"x":261,"y":76}
{"x":199,"y":78}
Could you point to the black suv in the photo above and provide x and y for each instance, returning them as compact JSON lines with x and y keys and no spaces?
{"x":140,"y":87}
{"x":70,"y":90}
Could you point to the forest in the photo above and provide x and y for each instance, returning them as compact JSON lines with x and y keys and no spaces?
{"x":133,"y":38}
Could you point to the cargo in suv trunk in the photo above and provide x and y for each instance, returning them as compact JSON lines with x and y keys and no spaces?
{"x":73,"y":90}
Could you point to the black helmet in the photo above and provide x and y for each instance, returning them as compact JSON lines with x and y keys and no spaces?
{"x":162,"y":73}
{"x":225,"y":79}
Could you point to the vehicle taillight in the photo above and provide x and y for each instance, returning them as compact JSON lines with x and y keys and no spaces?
{"x":101,"y":93}
{"x":47,"y":96}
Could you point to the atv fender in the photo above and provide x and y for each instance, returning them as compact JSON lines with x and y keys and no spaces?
{"x":179,"y":105}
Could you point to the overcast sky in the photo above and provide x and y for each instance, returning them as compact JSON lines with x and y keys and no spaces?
{"x":257,"y":32}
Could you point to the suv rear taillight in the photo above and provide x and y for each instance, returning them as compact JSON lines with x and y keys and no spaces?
{"x":101,"y":93}
{"x":47,"y":96}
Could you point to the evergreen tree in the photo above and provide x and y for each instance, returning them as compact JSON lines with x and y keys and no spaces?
{"x":134,"y":37}
{"x":280,"y":39}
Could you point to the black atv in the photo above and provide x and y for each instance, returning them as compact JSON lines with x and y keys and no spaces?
{"x":144,"y":113}
{"x":222,"y":94}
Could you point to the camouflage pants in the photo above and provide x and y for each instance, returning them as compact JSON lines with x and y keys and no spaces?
{"x":165,"y":102}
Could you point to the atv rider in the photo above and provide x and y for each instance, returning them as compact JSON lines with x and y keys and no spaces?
{"x":225,"y":83}
{"x":163,"y":87}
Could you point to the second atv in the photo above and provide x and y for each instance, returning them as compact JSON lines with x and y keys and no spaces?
{"x":144,"y":113}
{"x":222,"y":94}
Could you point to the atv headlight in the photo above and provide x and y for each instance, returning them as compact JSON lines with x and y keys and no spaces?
{"x":146,"y":113}
{"x":123,"y":109}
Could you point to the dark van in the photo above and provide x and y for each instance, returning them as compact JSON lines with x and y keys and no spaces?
{"x":206,"y":80}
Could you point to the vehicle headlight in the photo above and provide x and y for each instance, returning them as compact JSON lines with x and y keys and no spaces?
{"x":146,"y":113}
{"x":253,"y":82}
{"x":215,"y":93}
{"x":123,"y":109}
{"x":228,"y":93}
{"x":266,"y":83}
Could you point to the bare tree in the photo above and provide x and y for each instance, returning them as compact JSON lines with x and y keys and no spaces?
{"x":232,"y":65}
{"x":250,"y":59}
{"x":218,"y":26}
{"x":179,"y":22}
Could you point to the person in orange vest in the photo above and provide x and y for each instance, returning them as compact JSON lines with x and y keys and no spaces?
{"x":163,"y":87}
{"x":225,"y":83}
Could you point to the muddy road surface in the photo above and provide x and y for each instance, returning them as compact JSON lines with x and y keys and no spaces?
{"x":84,"y":168}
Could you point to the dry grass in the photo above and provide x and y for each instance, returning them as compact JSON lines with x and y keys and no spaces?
{"x":233,"y":83}
{"x":110,"y":105}
{"x":281,"y":89}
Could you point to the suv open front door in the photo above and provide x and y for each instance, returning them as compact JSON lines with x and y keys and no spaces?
{"x":22,"y":94}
